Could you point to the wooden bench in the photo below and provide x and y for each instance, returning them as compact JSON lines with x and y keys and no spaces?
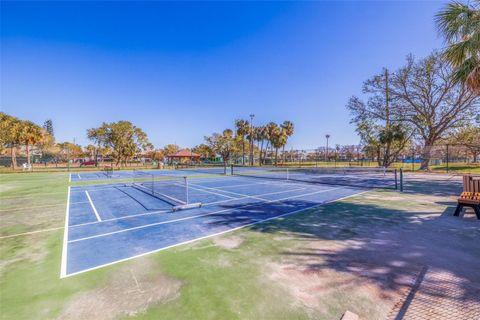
{"x":470,"y":196}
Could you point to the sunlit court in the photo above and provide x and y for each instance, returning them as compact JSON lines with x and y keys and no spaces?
{"x":112,"y":223}
{"x":244,"y":160}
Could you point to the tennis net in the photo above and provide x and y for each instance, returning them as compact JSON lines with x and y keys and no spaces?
{"x":173,"y":190}
{"x":202,"y":168}
{"x":349,"y":176}
{"x":108,"y":171}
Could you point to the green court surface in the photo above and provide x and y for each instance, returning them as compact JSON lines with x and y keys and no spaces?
{"x":363,"y":254}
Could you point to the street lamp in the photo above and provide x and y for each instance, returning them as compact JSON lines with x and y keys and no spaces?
{"x":251,"y":138}
{"x":326,"y":152}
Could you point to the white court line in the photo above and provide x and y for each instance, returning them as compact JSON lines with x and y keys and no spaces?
{"x":78,"y":175}
{"x":30,"y":232}
{"x":212,"y":235}
{"x":222,"y":195}
{"x":237,"y":185}
{"x":206,"y":191}
{"x":41,"y":194}
{"x":33,"y":207}
{"x":165,"y":211}
{"x":93,"y":207}
{"x":196,"y":216}
{"x":235,"y":193}
{"x":63,"y":268}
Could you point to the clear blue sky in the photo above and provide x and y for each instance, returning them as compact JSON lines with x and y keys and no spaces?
{"x":184,"y":70}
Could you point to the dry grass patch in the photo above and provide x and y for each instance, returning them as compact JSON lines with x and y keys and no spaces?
{"x":129,"y":291}
{"x":230,"y":243}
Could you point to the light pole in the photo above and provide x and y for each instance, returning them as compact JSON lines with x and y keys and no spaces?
{"x":326,"y":152}
{"x":251,"y":138}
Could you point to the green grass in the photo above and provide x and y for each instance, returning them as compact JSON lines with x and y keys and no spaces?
{"x":216,"y":282}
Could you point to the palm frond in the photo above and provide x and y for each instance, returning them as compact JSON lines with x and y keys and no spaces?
{"x":473,"y":80}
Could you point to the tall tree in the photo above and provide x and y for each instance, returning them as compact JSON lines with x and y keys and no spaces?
{"x":460,"y":25}
{"x":270,"y":131}
{"x":204,"y":151}
{"x":288,"y":128}
{"x":223,"y":144}
{"x":10,"y":129}
{"x":99,"y":137}
{"x":425,"y":96}
{"x":30,"y":134}
{"x":91,"y":151}
{"x":48,"y":126}
{"x":125,"y":139}
{"x":382,"y":134}
{"x":242,"y":129}
{"x":260,"y":135}
{"x":170,"y":149}
{"x":278,"y":138}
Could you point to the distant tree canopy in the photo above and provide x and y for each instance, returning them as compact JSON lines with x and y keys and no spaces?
{"x":419,"y":99}
{"x":125,"y":139}
{"x":170,"y":149}
{"x":204,"y":151}
{"x":15,"y":132}
{"x":222,"y":143}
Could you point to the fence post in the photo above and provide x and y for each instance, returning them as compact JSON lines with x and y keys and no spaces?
{"x":413,"y":160}
{"x":396,"y":180}
{"x":447,"y":158}
{"x":401,"y":180}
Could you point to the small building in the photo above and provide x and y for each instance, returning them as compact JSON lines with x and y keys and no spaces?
{"x":183,"y":156}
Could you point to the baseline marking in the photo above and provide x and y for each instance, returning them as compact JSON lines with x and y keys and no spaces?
{"x":93,"y":207}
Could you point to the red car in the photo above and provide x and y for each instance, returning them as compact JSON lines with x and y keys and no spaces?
{"x":88,"y":163}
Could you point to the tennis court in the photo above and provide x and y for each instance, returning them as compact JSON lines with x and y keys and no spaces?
{"x":110,"y":223}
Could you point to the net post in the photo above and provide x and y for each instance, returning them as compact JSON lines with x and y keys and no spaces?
{"x":186,"y":188}
{"x":396,"y":179}
{"x":153,"y":182}
{"x":288,"y":174}
{"x":401,"y":180}
{"x":231,"y":170}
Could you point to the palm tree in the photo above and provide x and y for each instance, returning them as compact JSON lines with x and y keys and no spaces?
{"x":30,"y":134}
{"x":260,"y":135}
{"x":460,"y":25}
{"x":270,"y":131}
{"x":278,"y":139}
{"x":10,"y":128}
{"x":242,"y":129}
{"x":288,"y":129}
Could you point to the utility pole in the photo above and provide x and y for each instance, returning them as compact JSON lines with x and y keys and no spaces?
{"x":386,"y":156}
{"x":326,"y":151}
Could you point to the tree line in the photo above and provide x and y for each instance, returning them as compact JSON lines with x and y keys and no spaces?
{"x":427,"y":100}
{"x":122,"y":141}
{"x":15,"y":132}
{"x":257,"y":140}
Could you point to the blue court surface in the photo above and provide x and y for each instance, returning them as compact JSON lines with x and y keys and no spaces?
{"x":110,"y":223}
